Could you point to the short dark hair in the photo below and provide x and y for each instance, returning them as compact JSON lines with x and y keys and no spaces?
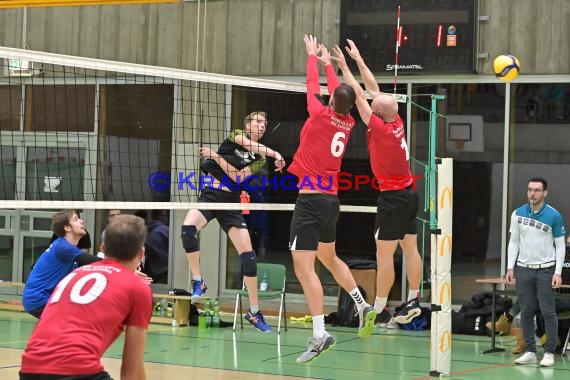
{"x":157,"y":214}
{"x":344,"y":98}
{"x":541,"y":180}
{"x":61,"y":220}
{"x":124,"y":236}
{"x":250,"y":116}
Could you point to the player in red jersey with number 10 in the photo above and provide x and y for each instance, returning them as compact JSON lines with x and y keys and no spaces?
{"x":397,"y":204}
{"x":313,"y":227}
{"x":90,"y":308}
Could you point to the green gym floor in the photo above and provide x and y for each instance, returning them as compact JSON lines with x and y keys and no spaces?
{"x":188,"y":352}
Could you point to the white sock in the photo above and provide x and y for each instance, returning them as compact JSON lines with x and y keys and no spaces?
{"x":253,"y":308}
{"x":318,"y":326}
{"x":197,"y":278}
{"x":380,"y":304}
{"x":412,"y":294}
{"x":358,"y":299}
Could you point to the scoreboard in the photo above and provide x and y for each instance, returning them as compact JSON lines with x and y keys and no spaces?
{"x":434,"y":36}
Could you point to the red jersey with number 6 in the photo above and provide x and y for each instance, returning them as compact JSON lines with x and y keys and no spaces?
{"x":389,"y":153}
{"x":87,"y":311}
{"x":324,"y":137}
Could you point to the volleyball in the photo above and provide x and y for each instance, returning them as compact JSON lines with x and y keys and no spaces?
{"x":506,"y":67}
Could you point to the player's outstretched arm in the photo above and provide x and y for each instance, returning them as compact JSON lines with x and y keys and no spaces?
{"x":367,"y":76}
{"x":313,"y":86}
{"x":326,"y":60}
{"x":230,"y":170}
{"x":255,"y":147}
{"x":361,"y":102}
{"x":132,"y":367}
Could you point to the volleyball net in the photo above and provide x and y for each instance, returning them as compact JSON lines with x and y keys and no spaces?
{"x":92,"y":134}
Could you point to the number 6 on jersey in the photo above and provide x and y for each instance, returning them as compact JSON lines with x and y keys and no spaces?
{"x":337,"y":144}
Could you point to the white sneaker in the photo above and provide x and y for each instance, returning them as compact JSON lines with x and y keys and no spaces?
{"x":547,"y":360}
{"x":526,"y":358}
{"x":316,"y":347}
{"x":392,"y":325}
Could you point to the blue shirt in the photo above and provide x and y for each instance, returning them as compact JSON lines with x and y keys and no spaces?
{"x":53,"y":265}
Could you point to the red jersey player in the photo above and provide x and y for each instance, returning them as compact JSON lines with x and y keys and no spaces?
{"x":313,"y":226}
{"x":90,"y":308}
{"x":398,"y":202}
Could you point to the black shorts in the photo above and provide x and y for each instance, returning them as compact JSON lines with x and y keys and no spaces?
{"x":36,"y":376}
{"x":396,"y":214}
{"x":226,"y":218}
{"x":314,"y":220}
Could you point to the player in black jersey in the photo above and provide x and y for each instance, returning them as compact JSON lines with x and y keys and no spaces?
{"x":239,"y":156}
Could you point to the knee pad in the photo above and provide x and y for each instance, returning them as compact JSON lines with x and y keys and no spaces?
{"x":248,"y":264}
{"x":189,"y":240}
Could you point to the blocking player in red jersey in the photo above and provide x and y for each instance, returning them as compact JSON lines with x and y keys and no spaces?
{"x":90,"y":308}
{"x":397,"y":204}
{"x":313,"y":227}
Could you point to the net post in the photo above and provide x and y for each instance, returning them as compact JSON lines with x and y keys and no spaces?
{"x":432,"y":159}
{"x":440,"y":179}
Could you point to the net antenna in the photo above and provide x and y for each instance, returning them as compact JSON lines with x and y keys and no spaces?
{"x":398,"y":41}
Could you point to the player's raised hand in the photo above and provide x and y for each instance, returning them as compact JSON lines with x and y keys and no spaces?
{"x":339,"y":57}
{"x":207,"y":153}
{"x":311,"y":44}
{"x":143,"y":276}
{"x":352,"y":50}
{"x":279,"y":162}
{"x":325,"y":57}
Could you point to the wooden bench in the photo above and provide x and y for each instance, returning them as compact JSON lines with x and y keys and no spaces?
{"x":180,"y":309}
{"x":12,"y":284}
{"x":12,"y":304}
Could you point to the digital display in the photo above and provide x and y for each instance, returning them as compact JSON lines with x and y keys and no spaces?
{"x":434,"y":36}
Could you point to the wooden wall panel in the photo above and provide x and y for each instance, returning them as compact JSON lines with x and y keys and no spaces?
{"x":498,"y":22}
{"x":109,"y":45}
{"x":216,"y":37}
{"x":535,"y":31}
{"x":524,"y":45}
{"x":564,"y":52}
{"x":264,"y":37}
{"x":280,"y":46}
{"x":88,"y":37}
{"x":11,"y":27}
{"x":303,"y":23}
{"x":330,"y":23}
{"x":190,"y":36}
{"x":550,"y":42}
{"x":37,"y":29}
{"x":59,"y":29}
{"x":244,"y":37}
{"x":168,"y":36}
{"x":270,"y":26}
{"x":127,"y":34}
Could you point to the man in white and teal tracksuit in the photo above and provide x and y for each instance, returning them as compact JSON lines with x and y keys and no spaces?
{"x":535,"y":258}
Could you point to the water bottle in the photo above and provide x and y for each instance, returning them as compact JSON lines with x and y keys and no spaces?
{"x":208,"y":313}
{"x":216,"y":314}
{"x":163,"y":307}
{"x":264,"y":284}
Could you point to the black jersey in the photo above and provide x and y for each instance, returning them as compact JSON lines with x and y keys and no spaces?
{"x":236,"y":155}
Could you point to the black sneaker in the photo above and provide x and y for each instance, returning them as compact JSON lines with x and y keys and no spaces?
{"x":408,"y":311}
{"x":384,"y":317}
